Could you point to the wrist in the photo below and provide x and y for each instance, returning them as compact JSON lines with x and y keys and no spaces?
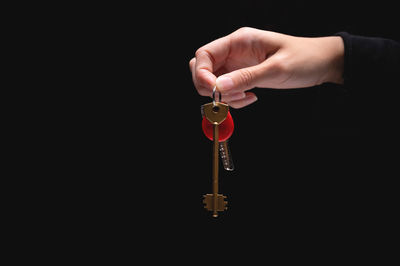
{"x":336,"y":60}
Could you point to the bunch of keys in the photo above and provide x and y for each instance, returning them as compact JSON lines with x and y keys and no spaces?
{"x":218,"y":126}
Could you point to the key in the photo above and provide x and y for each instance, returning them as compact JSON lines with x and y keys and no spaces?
{"x":226,"y":156}
{"x":215,"y":113}
{"x":226,"y":130}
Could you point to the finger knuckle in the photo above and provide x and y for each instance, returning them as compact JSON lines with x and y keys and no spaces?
{"x":244,"y":30}
{"x":280,"y":65}
{"x":202,"y":52}
{"x":246,"y":77}
{"x":198,"y":52}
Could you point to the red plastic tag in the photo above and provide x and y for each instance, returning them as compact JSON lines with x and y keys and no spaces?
{"x":225,"y":129}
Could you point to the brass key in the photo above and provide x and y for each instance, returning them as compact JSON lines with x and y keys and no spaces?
{"x":224,"y":151}
{"x":215,"y":112}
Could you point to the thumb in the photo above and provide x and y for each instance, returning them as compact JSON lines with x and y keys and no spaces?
{"x":240,"y":80}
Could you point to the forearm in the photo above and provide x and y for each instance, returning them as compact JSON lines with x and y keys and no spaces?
{"x":370,"y":60}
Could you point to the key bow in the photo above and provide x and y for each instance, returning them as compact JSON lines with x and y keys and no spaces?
{"x":216,"y":113}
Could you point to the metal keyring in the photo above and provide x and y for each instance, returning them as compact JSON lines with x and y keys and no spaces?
{"x":213,"y":95}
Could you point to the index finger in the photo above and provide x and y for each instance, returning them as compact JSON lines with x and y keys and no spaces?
{"x":209,"y":58}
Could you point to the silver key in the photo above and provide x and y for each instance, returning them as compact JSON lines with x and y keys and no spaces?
{"x":226,"y":156}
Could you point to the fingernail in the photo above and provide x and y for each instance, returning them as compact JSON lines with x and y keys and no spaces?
{"x":254,"y":99}
{"x":224,"y":83}
{"x":251,"y":98}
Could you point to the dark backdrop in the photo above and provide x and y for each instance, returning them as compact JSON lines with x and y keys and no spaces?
{"x":299,"y":152}
{"x":301,"y":156}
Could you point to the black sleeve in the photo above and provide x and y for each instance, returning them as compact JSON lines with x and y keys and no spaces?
{"x":370,"y":61}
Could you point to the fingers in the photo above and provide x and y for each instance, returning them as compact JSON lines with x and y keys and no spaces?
{"x":192,"y":63}
{"x":242,"y":79}
{"x":232,"y":83}
{"x":247,"y":100}
{"x":208,"y":60}
{"x":238,"y":60}
{"x":203,"y":84}
{"x":227,"y":98}
{"x":235,"y":99}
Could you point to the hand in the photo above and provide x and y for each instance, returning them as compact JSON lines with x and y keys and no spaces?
{"x":249,"y":58}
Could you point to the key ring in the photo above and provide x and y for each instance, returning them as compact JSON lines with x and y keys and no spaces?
{"x":213,"y":95}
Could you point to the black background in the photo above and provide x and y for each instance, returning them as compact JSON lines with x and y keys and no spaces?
{"x":297,"y":152}
{"x":304,"y":162}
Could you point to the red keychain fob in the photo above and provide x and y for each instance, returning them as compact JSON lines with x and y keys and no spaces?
{"x":225,"y":128}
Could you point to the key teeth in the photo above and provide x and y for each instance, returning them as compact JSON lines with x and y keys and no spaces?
{"x":221,"y":204}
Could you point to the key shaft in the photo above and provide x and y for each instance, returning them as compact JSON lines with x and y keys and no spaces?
{"x":215,"y":168}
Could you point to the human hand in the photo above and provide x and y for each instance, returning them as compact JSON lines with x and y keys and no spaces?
{"x":249,"y":58}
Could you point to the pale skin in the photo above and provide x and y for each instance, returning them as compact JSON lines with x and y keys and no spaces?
{"x":249,"y":58}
